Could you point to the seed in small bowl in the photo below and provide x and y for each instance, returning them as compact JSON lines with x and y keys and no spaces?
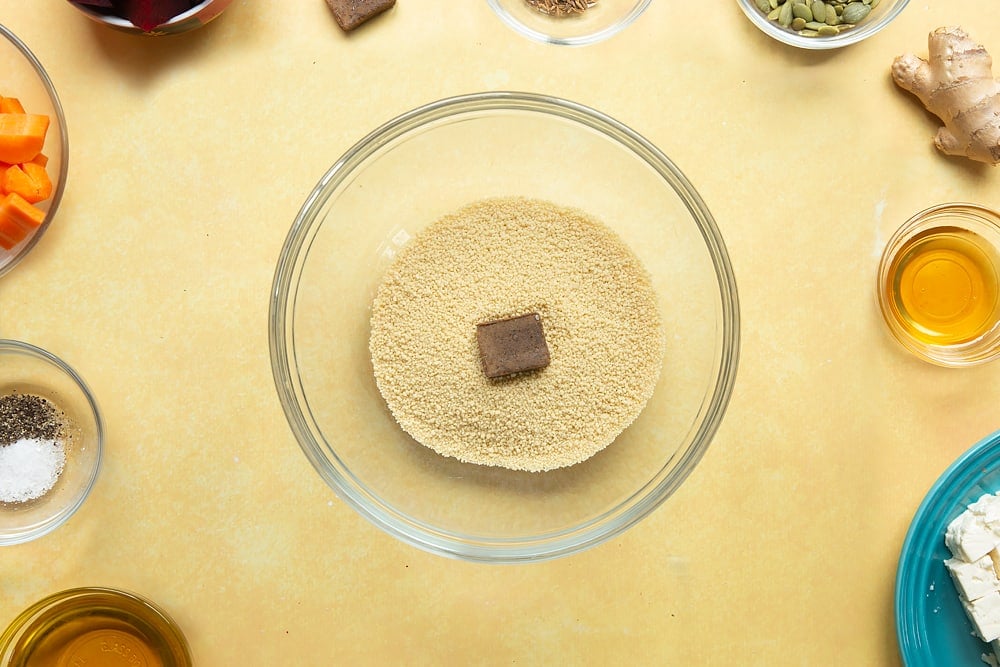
{"x":561,"y":7}
{"x":817,"y":18}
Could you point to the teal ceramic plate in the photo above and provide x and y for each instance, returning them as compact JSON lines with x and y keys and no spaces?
{"x":930,"y":623}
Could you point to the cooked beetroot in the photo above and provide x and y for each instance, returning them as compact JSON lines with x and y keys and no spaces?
{"x":146,"y":14}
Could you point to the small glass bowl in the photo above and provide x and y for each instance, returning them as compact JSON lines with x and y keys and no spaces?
{"x":879,"y":18}
{"x":193,"y":18}
{"x":977,"y":225}
{"x":69,"y":627}
{"x":599,"y":22}
{"x":24,"y":77}
{"x":26,"y":369}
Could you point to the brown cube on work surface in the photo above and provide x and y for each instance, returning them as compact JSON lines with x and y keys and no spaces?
{"x":352,"y":13}
{"x":512,"y":345}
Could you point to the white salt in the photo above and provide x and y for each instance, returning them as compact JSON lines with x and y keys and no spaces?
{"x":29,"y":468}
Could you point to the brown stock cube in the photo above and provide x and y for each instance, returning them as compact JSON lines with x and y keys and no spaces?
{"x":352,"y":13}
{"x":512,"y":346}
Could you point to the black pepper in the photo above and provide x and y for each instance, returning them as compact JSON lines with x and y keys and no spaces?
{"x":28,"y":416}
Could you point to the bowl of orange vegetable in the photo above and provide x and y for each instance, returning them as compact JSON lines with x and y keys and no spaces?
{"x":33,"y":150}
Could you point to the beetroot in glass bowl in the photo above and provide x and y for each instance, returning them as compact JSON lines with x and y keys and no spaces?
{"x":162,"y":17}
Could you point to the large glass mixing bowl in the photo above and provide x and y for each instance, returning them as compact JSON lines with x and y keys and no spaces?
{"x":430,"y":162}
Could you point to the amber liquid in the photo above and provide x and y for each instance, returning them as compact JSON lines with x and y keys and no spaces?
{"x":943,"y":285}
{"x":92,"y":632}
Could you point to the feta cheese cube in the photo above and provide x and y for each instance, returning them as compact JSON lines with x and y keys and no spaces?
{"x":973,"y":580}
{"x":985,"y":615}
{"x":987,"y":508}
{"x":969,"y":538}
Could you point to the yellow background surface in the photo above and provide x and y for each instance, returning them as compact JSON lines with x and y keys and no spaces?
{"x":191,"y":155}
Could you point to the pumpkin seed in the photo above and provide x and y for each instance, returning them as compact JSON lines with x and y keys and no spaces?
{"x":819,"y":11}
{"x":802,"y":12}
{"x":855,"y":12}
{"x":785,"y":15}
{"x":812,"y":18}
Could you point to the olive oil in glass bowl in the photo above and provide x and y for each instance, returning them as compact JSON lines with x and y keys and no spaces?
{"x":94,"y":626}
{"x":939,"y":284}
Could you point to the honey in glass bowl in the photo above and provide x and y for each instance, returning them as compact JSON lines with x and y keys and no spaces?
{"x":939,"y":284}
{"x":944,"y":286}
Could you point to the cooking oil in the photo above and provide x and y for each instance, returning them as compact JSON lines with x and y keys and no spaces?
{"x":943,"y":286}
{"x":94,"y":628}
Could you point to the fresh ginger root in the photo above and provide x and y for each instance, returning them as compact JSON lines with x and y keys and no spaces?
{"x":956,"y":84}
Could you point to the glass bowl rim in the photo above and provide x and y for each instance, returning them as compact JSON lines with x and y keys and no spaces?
{"x":948,"y":356}
{"x":60,"y":119}
{"x":847,"y":38}
{"x":537,"y":547}
{"x":54,"y":600}
{"x":128,"y":26}
{"x":576,"y":40}
{"x":63,"y":514}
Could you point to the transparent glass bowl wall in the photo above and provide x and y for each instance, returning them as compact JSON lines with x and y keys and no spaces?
{"x":410,"y":172}
{"x":193,"y":18}
{"x":985,"y":224}
{"x":27,"y":369}
{"x":601,"y":21}
{"x":26,"y":79}
{"x":875,"y":22}
{"x":60,"y":618}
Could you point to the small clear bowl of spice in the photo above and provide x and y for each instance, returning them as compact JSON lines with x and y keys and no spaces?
{"x":568,"y":22}
{"x":94,"y":626}
{"x":51,"y":436}
{"x":821,"y":24}
{"x":938,"y":284}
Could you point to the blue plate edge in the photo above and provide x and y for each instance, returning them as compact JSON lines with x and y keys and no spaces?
{"x":912,"y":641}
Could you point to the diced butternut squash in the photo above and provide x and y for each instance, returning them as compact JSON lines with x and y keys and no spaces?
{"x":29,"y":180}
{"x":22,"y":136}
{"x":10,"y":105}
{"x":17,"y":219}
{"x":24,"y":180}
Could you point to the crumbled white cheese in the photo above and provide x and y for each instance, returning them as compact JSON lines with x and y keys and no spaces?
{"x":985,"y":615}
{"x":973,"y":538}
{"x":988,"y":507}
{"x":973,"y":580}
{"x":969,"y":536}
